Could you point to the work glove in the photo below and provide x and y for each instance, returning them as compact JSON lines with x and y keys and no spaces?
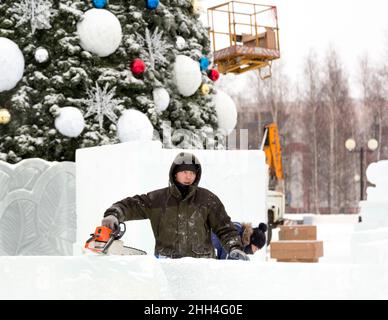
{"x":237,"y":254}
{"x":110,"y":222}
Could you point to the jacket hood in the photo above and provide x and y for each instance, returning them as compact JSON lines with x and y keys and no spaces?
{"x":247,"y":233}
{"x":186,"y":158}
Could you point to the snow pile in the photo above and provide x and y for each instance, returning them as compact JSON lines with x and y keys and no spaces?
{"x":370,"y":246}
{"x":145,"y":277}
{"x":87,"y":277}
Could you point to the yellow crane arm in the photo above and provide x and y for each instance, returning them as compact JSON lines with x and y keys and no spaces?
{"x":273,"y":152}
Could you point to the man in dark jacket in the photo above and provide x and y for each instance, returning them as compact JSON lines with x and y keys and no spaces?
{"x":253,"y":239}
{"x":182,"y":215}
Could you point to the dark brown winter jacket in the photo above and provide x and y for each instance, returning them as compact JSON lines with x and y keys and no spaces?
{"x":182,"y":227}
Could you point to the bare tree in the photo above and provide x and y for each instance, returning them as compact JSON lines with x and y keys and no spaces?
{"x":273,"y":92}
{"x":336,"y":98}
{"x":372,"y":88}
{"x":313,"y":101}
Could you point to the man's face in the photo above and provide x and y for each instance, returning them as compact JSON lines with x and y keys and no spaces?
{"x":186,"y":177}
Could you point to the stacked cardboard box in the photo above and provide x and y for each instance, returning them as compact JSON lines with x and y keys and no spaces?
{"x":297,"y":244}
{"x":299,"y":232}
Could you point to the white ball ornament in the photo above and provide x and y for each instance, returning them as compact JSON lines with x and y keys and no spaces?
{"x":226,"y":111}
{"x":100,"y":32}
{"x":70,"y":122}
{"x":188,"y":77}
{"x":41,"y":55}
{"x":5,"y":116}
{"x":134,"y":125}
{"x":161,"y":99}
{"x":11,"y":64}
{"x":180,"y":43}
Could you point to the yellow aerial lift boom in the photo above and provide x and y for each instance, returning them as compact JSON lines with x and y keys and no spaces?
{"x":244,"y":36}
{"x":275,"y":195}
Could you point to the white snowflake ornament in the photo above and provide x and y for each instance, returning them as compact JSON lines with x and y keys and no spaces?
{"x":36,"y":12}
{"x":156,"y":45}
{"x":161,"y":99}
{"x":11,"y":64}
{"x":100,"y":32}
{"x":134,"y":125}
{"x":41,"y":55}
{"x":188,"y":76}
{"x":102,"y":103}
{"x":70,"y":122}
{"x":226,"y":111}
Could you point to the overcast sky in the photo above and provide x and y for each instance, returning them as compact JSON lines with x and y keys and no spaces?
{"x":353,"y":27}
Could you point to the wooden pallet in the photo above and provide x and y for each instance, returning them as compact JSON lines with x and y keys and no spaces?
{"x":242,"y":58}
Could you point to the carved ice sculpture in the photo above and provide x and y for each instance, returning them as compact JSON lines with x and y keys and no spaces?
{"x":37,"y":208}
{"x":377,"y":173}
{"x":369,"y":241}
{"x":374,"y":211}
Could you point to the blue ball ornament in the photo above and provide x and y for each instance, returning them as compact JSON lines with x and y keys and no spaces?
{"x":152,"y":4}
{"x":204,"y":63}
{"x":99,"y":4}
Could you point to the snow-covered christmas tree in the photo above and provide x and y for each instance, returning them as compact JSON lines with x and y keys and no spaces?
{"x":82,"y":73}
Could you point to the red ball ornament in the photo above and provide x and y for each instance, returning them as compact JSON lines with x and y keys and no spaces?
{"x":213,"y":74}
{"x":138,"y":67}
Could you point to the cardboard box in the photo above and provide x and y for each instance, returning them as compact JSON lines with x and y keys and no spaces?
{"x":297,"y":251}
{"x":298,"y":232}
{"x":265,"y":39}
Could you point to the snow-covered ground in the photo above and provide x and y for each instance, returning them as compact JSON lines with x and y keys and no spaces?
{"x":145,"y":277}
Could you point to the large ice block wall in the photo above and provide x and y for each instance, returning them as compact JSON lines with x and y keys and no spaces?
{"x":110,"y":173}
{"x":37,"y":208}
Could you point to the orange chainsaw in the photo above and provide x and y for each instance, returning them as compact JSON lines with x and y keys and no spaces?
{"x":107,"y":241}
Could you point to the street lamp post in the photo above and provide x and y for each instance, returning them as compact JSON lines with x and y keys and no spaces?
{"x":351,"y":146}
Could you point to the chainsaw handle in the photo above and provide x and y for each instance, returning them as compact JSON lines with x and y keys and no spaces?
{"x":116,"y":235}
{"x":119,"y":233}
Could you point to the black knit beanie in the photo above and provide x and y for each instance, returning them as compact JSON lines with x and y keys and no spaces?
{"x":258,"y":237}
{"x":186,"y":167}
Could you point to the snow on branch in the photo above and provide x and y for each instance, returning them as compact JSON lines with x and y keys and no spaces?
{"x":36,"y":12}
{"x":75,"y":12}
